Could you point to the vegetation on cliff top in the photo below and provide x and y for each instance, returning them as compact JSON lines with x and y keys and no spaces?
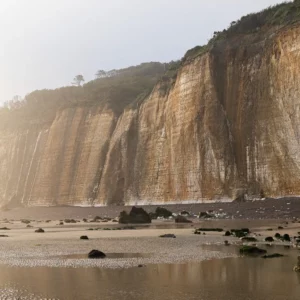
{"x":117,"y":89}
{"x":282,"y":14}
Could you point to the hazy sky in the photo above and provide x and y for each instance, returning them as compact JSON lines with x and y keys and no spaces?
{"x":45,"y":43}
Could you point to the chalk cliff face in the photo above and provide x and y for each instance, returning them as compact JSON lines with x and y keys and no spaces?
{"x":228,"y":126}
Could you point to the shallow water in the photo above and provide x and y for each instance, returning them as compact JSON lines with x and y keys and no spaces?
{"x":219,"y":279}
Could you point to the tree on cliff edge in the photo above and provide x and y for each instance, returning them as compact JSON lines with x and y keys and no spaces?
{"x":78,"y":79}
{"x":100,"y":74}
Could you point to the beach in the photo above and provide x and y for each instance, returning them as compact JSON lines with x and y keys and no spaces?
{"x":127,"y":246}
{"x":61,"y":239}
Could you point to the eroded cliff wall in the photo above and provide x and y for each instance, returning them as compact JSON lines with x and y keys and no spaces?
{"x":229,"y":125}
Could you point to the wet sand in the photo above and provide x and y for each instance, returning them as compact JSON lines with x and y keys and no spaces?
{"x":54,"y":264}
{"x":24,"y":247}
{"x":53,"y":248}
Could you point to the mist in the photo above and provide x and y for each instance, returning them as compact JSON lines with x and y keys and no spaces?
{"x":46,"y":43}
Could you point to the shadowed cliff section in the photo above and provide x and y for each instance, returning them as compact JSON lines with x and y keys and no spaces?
{"x":221,"y":123}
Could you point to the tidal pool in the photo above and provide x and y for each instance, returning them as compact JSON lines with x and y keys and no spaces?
{"x":237,"y":278}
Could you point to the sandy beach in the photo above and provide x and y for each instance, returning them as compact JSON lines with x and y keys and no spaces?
{"x":60,"y":245}
{"x":47,"y":265}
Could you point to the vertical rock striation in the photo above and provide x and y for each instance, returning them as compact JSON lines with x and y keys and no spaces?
{"x":228,"y":126}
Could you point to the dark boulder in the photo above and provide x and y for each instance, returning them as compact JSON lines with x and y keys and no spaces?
{"x":96,"y":254}
{"x":286,"y":237}
{"x":211,"y":229}
{"x":252,"y":250}
{"x":153,"y":215}
{"x":277,"y":235}
{"x":163,"y":212}
{"x":168,"y":235}
{"x":137,"y":215}
{"x":185,"y":213}
{"x":182,"y":219}
{"x":269,"y":239}
{"x":84,"y":237}
{"x":274,"y":255}
{"x":124,"y":217}
{"x":227,"y":233}
{"x":240,"y":232}
{"x":205,"y":215}
{"x":40,"y":230}
{"x":70,"y":221}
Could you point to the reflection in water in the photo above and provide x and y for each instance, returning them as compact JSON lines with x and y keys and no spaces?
{"x":234,"y":278}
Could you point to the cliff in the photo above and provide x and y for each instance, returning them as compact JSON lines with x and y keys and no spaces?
{"x":226,"y":126}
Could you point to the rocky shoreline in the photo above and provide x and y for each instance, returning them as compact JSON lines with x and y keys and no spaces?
{"x":282,"y":208}
{"x":59,"y":243}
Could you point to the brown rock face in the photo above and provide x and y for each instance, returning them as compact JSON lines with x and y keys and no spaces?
{"x":230,"y":125}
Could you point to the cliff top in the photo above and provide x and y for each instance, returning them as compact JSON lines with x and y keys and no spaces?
{"x":277,"y":16}
{"x":115,"y":90}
